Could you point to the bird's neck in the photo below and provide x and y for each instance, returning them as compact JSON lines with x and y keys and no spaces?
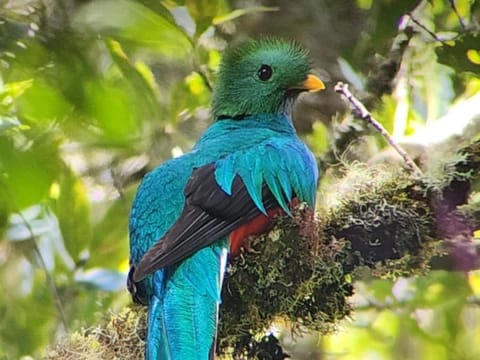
{"x":280,"y":122}
{"x":229,"y":135}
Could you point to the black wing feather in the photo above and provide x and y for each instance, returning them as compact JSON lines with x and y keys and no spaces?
{"x":209,"y":214}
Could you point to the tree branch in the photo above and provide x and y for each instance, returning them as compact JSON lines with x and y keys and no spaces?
{"x":302,"y":271}
{"x":365,"y":115}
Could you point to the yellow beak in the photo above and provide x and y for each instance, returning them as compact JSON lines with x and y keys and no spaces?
{"x":311,"y":83}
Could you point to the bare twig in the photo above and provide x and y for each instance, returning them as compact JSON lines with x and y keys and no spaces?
{"x":50,"y":281}
{"x":364,"y":114}
{"x":455,"y":10}
{"x":205,"y":79}
{"x":423,"y":27}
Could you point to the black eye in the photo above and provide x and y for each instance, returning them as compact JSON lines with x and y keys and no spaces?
{"x":265,"y":72}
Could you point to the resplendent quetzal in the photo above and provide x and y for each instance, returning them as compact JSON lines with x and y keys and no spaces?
{"x":191,"y":210}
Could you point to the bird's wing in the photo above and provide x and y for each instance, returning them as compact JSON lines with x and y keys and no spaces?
{"x":209,"y":214}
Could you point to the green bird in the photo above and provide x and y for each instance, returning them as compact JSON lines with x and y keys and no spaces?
{"x":190,"y":211}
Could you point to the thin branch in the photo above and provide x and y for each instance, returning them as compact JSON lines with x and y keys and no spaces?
{"x":50,"y":282}
{"x":364,"y":114}
{"x":205,"y":79}
{"x":460,"y":19}
{"x":423,"y":27}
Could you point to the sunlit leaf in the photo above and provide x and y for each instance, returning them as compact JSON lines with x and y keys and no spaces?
{"x":135,"y":23}
{"x":41,"y":102}
{"x":72,"y":208}
{"x":474,"y":280}
{"x":113,"y":110}
{"x":387,"y":324}
{"x":364,"y":4}
{"x":139,"y":76}
{"x":242,"y":12}
{"x":202,"y":12}
{"x":456,"y":56}
{"x":214,"y":59}
{"x":109,"y":247}
{"x":318,"y":139}
{"x":385,"y":113}
{"x":12,"y":91}
{"x":189,"y":95}
{"x":473,"y":56}
{"x":28,"y":173}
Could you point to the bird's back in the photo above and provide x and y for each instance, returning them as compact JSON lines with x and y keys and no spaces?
{"x":183,"y":298}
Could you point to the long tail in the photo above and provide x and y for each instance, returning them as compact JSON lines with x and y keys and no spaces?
{"x":183,"y":309}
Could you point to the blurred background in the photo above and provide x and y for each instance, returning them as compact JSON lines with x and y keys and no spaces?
{"x":93,"y":94}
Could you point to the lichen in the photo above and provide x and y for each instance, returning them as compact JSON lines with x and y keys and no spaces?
{"x":386,"y":219}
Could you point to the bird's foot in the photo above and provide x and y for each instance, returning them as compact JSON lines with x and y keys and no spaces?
{"x":247,"y":245}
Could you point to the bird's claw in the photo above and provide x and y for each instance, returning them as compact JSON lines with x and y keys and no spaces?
{"x":247,"y":245}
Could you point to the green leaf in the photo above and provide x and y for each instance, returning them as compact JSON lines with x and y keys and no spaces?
{"x":135,"y":23}
{"x":139,"y":77}
{"x":160,"y":7}
{"x":28,"y":173}
{"x":27,"y":321}
{"x":202,"y":12}
{"x":11,"y":92}
{"x":318,"y":139}
{"x":433,"y":90}
{"x":113,"y":110}
{"x":190,"y":94}
{"x":381,"y":290}
{"x":459,"y":54}
{"x":109,"y":247}
{"x":71,"y":205}
{"x":381,"y":28}
{"x":435,"y":290}
{"x":220,"y":19}
{"x":385,"y":113}
{"x":42,"y":103}
{"x":364,"y":4}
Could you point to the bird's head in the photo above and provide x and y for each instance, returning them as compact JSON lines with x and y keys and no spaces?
{"x":262,"y":77}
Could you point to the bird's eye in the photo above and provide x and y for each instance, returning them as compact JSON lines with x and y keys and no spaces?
{"x":265,"y":72}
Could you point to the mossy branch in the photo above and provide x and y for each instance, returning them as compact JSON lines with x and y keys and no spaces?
{"x":301,"y":271}
{"x":380,"y":218}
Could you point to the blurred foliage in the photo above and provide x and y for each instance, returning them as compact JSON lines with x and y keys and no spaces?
{"x":95,"y":93}
{"x":412,"y":318}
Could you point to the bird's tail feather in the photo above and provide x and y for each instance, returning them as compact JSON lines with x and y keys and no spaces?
{"x":157,"y":340}
{"x":183,"y":314}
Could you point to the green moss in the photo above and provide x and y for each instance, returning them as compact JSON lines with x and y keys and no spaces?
{"x":292,"y":274}
{"x":121,"y":337}
{"x":385,"y":217}
{"x":301,"y":272}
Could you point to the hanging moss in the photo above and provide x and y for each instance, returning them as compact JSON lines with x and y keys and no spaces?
{"x":386,"y":218}
{"x":122,"y":337}
{"x":289,"y":273}
{"x":301,"y":270}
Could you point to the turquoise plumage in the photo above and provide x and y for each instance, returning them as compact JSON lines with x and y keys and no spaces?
{"x":248,"y":163}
